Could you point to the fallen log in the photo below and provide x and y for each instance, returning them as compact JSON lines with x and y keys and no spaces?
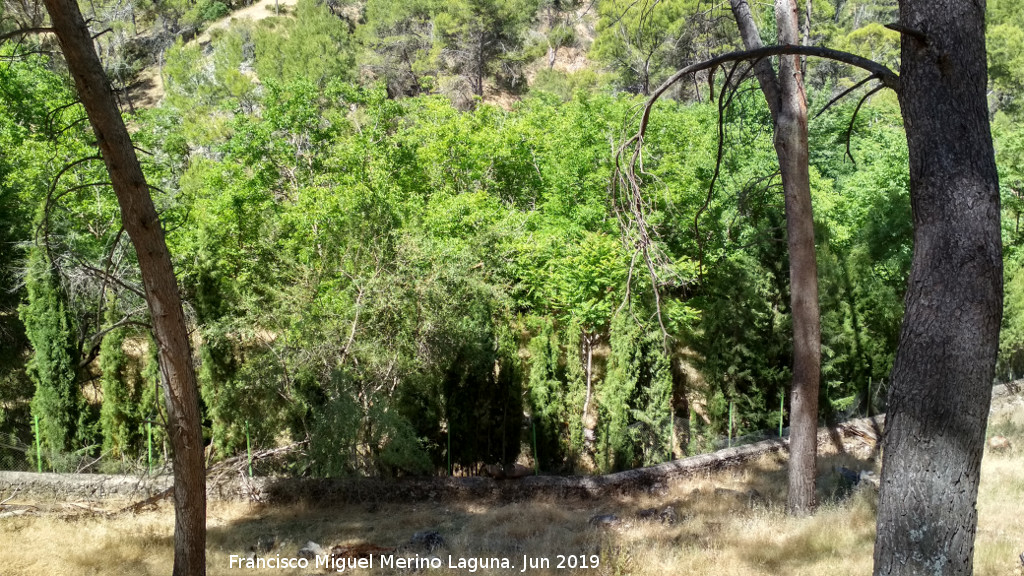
{"x":227,"y":482}
{"x":339,"y":490}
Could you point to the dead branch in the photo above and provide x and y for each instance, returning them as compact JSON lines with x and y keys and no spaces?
{"x":241,"y":461}
{"x":626,"y":180}
{"x":51,"y":115}
{"x":90,"y":509}
{"x":887,"y":77}
{"x":236,"y":464}
{"x":849,"y":129}
{"x":151,"y":501}
{"x":92,"y":270}
{"x":843,"y":94}
{"x":9,"y":513}
{"x":95,"y":340}
{"x":9,"y":498}
{"x":106,"y":272}
{"x":723,"y":105}
{"x":22,"y":32}
{"x":355,"y":324}
{"x":51,"y":199}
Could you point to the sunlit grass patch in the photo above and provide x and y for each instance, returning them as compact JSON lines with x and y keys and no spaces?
{"x":731,"y":523}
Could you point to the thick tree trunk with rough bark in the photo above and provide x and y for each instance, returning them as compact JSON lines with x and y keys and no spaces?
{"x":787,"y":102}
{"x":143,"y":226}
{"x":942,"y":379}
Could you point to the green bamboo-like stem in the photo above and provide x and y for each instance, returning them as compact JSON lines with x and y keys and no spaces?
{"x":536,"y":459}
{"x":730,"y":423}
{"x":692,"y":423}
{"x":248,"y":447}
{"x":39,"y":448}
{"x":782,"y":411}
{"x":869,"y":397}
{"x":671,"y":434}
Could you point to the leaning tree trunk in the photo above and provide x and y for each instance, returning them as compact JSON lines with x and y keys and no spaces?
{"x":140,"y":220}
{"x":787,"y":103}
{"x":941,"y":382}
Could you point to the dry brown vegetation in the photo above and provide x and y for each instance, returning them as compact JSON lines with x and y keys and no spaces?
{"x":722,"y":527}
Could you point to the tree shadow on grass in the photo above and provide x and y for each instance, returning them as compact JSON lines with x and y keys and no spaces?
{"x":734,"y":515}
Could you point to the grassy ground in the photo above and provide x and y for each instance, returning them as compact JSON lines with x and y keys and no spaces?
{"x":721,"y":529}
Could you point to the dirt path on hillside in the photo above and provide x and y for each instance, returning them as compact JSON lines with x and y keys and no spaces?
{"x":258,"y":11}
{"x":148,"y":90}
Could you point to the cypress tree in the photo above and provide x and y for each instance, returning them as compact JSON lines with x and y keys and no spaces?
{"x":545,"y":392}
{"x":116,"y":413}
{"x":615,"y":451}
{"x":53,"y":363}
{"x":149,"y":398}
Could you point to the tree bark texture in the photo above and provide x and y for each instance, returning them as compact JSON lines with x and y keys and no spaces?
{"x":763,"y":70}
{"x":143,"y":226}
{"x":786,"y":100}
{"x":942,"y":379}
{"x":791,"y":148}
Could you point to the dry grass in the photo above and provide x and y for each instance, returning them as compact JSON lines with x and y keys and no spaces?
{"x":720,"y":530}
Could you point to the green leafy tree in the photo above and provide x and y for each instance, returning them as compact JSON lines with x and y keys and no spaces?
{"x":639,"y":39}
{"x":315,"y":45}
{"x":588,"y":283}
{"x":399,"y":45}
{"x":1004,"y":39}
{"x":479,"y":39}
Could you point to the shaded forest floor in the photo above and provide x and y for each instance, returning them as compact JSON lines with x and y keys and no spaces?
{"x":730,"y":522}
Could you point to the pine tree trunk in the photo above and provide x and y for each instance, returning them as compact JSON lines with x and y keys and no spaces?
{"x":143,"y":226}
{"x":941,"y":382}
{"x":791,"y":148}
{"x":787,"y":102}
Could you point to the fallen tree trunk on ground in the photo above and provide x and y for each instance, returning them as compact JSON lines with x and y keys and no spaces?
{"x":225,"y":482}
{"x":863,"y":433}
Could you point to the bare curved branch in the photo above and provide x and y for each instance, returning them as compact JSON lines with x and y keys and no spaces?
{"x":887,"y":77}
{"x":631,"y":208}
{"x":844,"y":94}
{"x":25,"y":32}
{"x":849,"y":129}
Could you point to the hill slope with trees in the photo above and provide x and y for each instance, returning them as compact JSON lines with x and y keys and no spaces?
{"x":392,"y":228}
